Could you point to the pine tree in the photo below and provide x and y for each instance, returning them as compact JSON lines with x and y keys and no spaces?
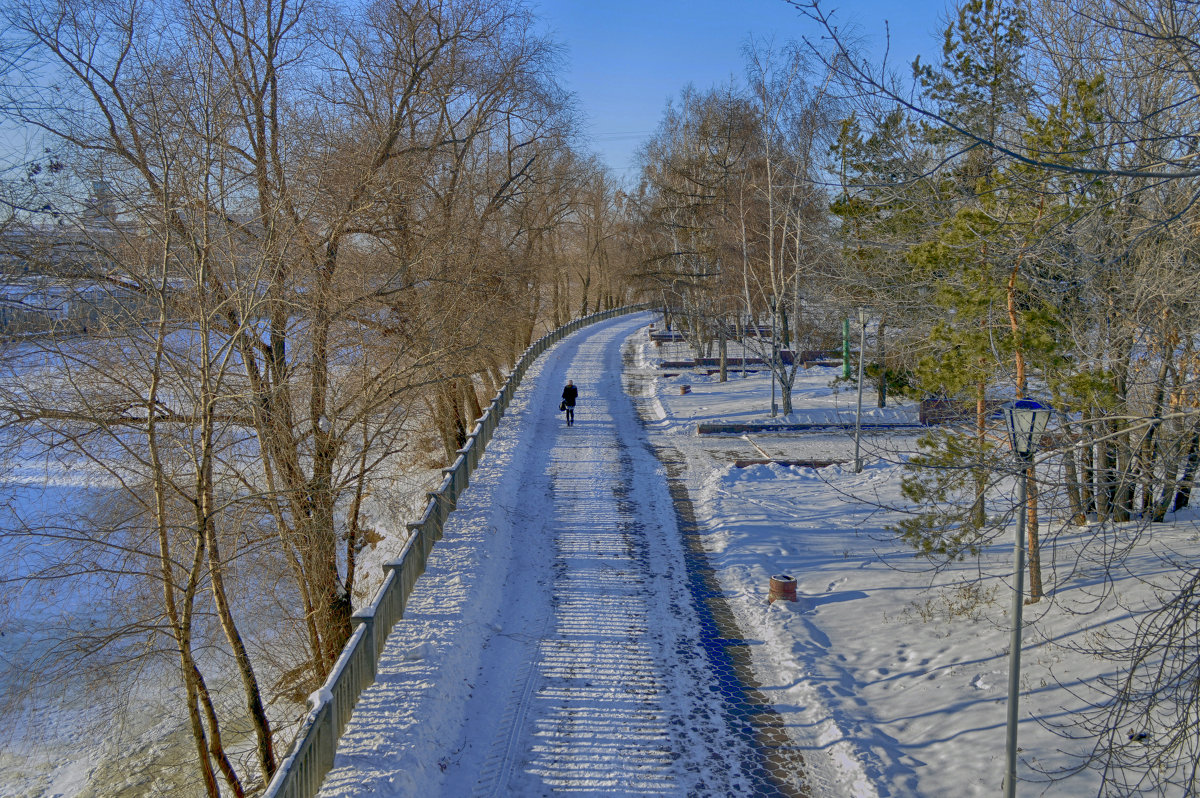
{"x":979,"y":90}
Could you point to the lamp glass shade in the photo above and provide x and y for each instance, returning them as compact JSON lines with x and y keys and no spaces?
{"x":1026,"y":421}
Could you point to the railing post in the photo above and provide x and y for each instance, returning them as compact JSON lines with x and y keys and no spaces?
{"x":457,"y":477}
{"x":367,"y":619}
{"x":325,"y":742}
{"x":439,"y":513}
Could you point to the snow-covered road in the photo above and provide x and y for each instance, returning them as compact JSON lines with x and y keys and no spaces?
{"x":553,"y":645}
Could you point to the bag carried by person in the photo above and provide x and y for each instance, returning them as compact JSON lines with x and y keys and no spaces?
{"x":562,"y":405}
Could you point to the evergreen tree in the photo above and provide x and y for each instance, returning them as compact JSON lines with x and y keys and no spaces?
{"x":979,"y":90}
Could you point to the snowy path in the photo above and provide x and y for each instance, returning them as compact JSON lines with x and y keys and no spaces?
{"x":552,"y":646}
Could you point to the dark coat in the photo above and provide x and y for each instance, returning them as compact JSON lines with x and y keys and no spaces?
{"x":570,"y":393}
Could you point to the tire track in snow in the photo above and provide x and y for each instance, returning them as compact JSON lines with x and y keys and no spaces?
{"x":497,"y":770}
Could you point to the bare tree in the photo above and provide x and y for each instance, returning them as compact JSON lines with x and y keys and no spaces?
{"x":317,"y":221}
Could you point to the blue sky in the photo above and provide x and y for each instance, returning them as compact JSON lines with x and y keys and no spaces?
{"x":625,"y":58}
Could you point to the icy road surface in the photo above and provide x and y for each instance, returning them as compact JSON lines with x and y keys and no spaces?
{"x":553,"y":645}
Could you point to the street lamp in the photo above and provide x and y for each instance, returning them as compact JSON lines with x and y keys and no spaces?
{"x":862,"y":349}
{"x":1026,"y":420}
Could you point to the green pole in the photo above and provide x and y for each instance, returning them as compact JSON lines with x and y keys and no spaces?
{"x":846,"y":349}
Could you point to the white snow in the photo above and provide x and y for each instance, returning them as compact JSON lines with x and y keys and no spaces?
{"x":551,"y":644}
{"x":888,"y":682}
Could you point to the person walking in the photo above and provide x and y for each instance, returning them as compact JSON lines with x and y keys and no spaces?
{"x":569,"y":395}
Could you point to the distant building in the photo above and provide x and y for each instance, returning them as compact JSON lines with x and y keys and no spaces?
{"x":101,"y":209}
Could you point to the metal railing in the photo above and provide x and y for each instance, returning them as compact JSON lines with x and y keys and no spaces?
{"x":311,"y":754}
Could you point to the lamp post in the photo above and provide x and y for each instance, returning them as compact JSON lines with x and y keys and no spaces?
{"x":1026,"y":420}
{"x":862,"y":348}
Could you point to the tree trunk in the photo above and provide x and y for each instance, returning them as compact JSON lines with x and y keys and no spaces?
{"x":1183,"y":493}
{"x":1074,"y":495}
{"x":179,"y":617}
{"x":206,"y":525}
{"x":1124,"y":482}
{"x":274,"y":426}
{"x":557,"y":304}
{"x":1106,"y":480}
{"x":881,"y":359}
{"x":1148,"y":452}
{"x":494,"y":380}
{"x":215,"y":747}
{"x":979,"y":508}
{"x":333,"y":608}
{"x":473,"y":409}
{"x":253,"y":696}
{"x":207,"y":775}
{"x":1126,"y":479}
{"x":1031,"y":527}
{"x":354,"y":529}
{"x":724,"y":350}
{"x":1087,"y":493}
{"x":585,"y":287}
{"x":448,"y":418}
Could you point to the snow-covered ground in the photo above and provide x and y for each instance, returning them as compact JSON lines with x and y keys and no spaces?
{"x":893,"y":670}
{"x":890,"y":678}
{"x":550,"y":646}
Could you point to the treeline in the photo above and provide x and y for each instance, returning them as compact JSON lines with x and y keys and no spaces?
{"x":1018,"y":218}
{"x":732,"y":217}
{"x":342,"y":223}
